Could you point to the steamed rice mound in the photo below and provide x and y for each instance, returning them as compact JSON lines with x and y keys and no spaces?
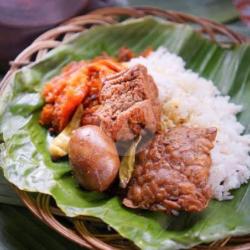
{"x":193,"y":101}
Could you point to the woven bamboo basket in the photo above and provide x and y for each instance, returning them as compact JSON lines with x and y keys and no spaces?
{"x":90,"y":232}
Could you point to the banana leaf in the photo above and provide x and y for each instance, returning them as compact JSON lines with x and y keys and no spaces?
{"x":220,"y":11}
{"x":128,"y":163}
{"x":26,"y":162}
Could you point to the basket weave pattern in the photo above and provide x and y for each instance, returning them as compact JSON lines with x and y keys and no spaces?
{"x":87,"y":231}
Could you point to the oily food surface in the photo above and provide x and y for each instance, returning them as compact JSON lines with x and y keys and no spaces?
{"x":93,"y":157}
{"x":126,"y":106}
{"x":172,"y":172}
{"x":193,"y":101}
{"x":129,"y":105}
{"x":65,"y":92}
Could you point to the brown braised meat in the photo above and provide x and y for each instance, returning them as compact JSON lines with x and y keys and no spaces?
{"x":173,"y":171}
{"x":128,"y":105}
{"x":125,"y":54}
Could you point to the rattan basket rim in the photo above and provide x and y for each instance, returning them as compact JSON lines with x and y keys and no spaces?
{"x":41,"y":205}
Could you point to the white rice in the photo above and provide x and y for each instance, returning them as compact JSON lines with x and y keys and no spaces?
{"x":195,"y":101}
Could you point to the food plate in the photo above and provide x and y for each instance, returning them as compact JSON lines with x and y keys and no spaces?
{"x":27,"y":164}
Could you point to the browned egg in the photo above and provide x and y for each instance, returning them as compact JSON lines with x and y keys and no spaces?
{"x":93,"y":157}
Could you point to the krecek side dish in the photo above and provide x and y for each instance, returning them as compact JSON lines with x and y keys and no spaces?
{"x":181,"y":133}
